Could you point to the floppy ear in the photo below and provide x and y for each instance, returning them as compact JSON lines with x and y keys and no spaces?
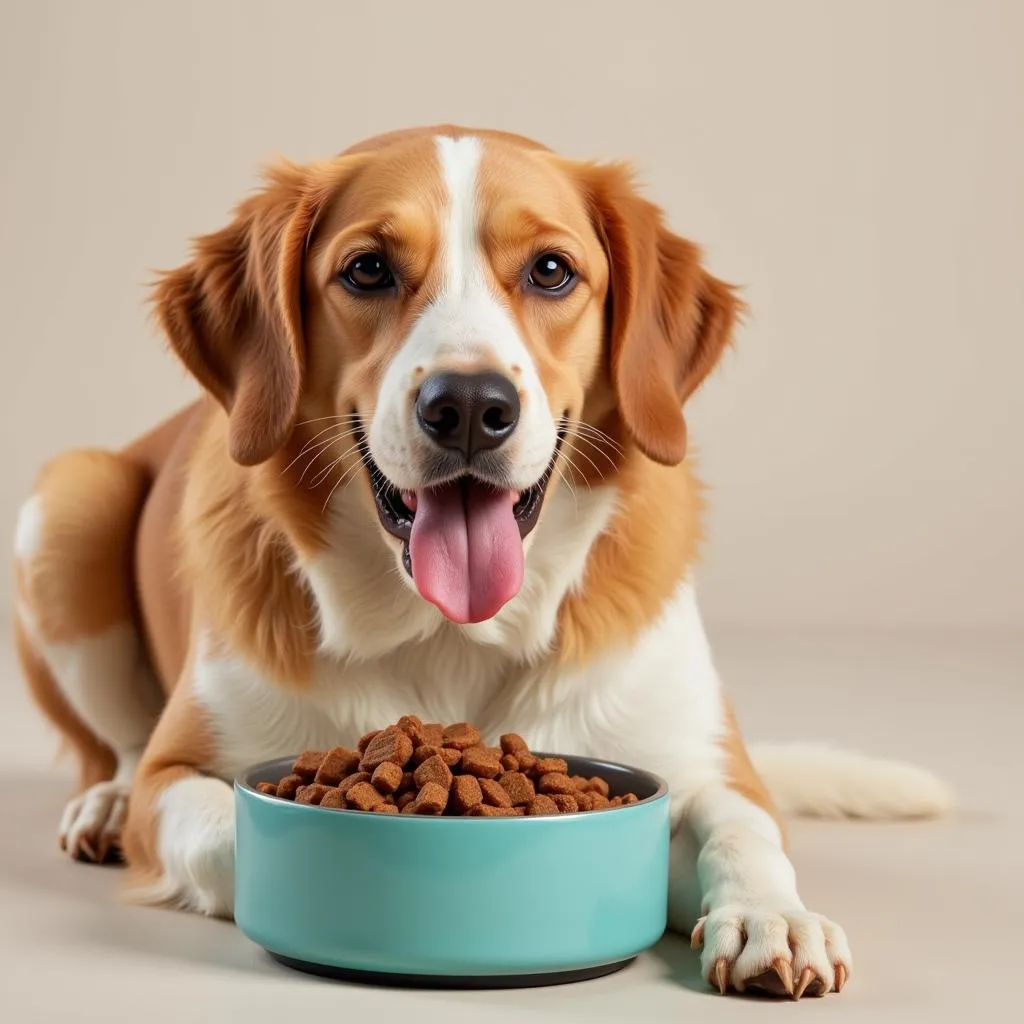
{"x":233,"y":313}
{"x":669,"y":319}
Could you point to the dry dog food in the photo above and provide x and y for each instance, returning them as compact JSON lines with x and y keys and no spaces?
{"x":413,"y":767}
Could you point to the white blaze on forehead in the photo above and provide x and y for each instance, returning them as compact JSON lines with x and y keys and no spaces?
{"x":460,"y":159}
{"x":466,"y":325}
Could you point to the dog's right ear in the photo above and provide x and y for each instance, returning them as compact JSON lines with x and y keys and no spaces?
{"x":233,"y":313}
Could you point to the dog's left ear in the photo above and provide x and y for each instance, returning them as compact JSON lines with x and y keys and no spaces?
{"x":233,"y":313}
{"x":669,"y":319}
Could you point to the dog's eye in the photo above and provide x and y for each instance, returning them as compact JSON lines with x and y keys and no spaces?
{"x":367,"y":273}
{"x":551,"y":273}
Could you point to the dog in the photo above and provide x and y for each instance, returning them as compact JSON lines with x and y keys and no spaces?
{"x":439,"y":467}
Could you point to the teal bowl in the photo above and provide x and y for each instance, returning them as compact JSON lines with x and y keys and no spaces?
{"x":453,"y":902}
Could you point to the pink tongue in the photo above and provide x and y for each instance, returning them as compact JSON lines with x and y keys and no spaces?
{"x":467,"y":555}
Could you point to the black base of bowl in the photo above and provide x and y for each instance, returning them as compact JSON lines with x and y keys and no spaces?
{"x":453,"y":981}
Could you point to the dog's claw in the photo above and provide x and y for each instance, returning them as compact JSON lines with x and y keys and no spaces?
{"x":697,"y":935}
{"x":721,"y":980}
{"x":784,"y":970}
{"x":806,"y":977}
{"x":841,"y":977}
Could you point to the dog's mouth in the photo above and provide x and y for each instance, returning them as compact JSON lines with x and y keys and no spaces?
{"x":462,"y":537}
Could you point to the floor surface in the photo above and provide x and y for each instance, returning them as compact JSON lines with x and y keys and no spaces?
{"x":934,"y":911}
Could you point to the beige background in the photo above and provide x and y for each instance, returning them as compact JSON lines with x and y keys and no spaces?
{"x":857,"y":165}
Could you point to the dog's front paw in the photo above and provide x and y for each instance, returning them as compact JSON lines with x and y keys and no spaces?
{"x":783,"y":952}
{"x":197,"y":845}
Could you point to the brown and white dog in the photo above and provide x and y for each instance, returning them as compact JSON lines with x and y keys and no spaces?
{"x":441,"y":469}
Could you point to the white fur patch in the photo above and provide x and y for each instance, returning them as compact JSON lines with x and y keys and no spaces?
{"x":28,"y":532}
{"x":107,"y":681}
{"x":196,"y":841}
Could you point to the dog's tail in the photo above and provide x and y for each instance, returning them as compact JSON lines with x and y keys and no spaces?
{"x":812,"y":781}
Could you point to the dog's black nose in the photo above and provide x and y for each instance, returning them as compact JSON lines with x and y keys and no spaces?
{"x":468,"y":412}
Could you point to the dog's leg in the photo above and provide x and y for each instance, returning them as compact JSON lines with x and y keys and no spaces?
{"x":753,"y":930}
{"x":180,"y":836}
{"x":76,"y":637}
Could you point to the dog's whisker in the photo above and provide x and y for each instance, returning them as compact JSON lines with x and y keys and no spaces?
{"x":572,"y":490}
{"x":584,"y":455}
{"x":363,"y":461}
{"x":312,"y":444}
{"x":309,"y":465}
{"x":588,"y":429}
{"x":320,"y":419}
{"x":597,"y":439}
{"x":324,"y":473}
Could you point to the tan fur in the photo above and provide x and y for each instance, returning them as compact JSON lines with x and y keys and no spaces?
{"x":740,"y":772}
{"x":237,"y":563}
{"x":636,"y":565}
{"x":182,"y":744}
{"x":79,"y":582}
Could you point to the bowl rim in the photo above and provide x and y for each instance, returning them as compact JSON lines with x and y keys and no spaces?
{"x":661,"y":793}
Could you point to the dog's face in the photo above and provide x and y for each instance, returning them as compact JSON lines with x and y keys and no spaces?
{"x":455,"y":313}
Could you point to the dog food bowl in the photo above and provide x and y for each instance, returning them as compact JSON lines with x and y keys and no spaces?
{"x":453,"y":902}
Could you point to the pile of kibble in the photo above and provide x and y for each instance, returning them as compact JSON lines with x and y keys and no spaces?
{"x":416,"y":768}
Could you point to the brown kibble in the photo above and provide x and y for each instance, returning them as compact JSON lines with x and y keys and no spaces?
{"x":432,"y":799}
{"x":542,"y":805}
{"x":412,"y":767}
{"x":449,"y":755}
{"x":433,"y":770}
{"x":307,"y":764}
{"x":514,"y":744}
{"x":494,"y":793}
{"x":519,"y":788}
{"x":461,"y":736}
{"x":553,"y":782}
{"x":363,"y":797}
{"x":366,"y":740}
{"x":389,"y":745}
{"x":288,"y":786}
{"x":311,"y":794}
{"x":412,"y":726}
{"x":337,"y":763}
{"x":465,"y":794}
{"x":481,"y":762}
{"x":432,"y":734}
{"x":353,"y":780}
{"x":387,"y":777}
{"x":489,"y":811}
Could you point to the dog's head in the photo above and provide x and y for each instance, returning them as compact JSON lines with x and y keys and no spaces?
{"x":444,"y":317}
